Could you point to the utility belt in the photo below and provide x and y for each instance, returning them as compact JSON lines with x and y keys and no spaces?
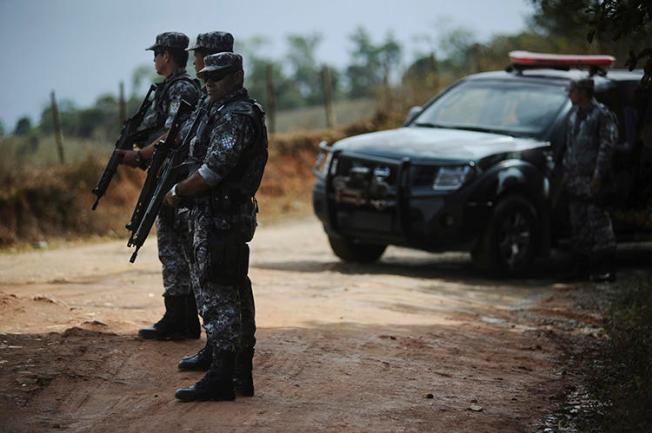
{"x":238,"y":210}
{"x":229,"y":212}
{"x":221,"y":204}
{"x":228,"y":202}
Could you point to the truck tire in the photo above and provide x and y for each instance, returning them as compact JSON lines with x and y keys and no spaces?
{"x":509,"y":243}
{"x":352,"y":251}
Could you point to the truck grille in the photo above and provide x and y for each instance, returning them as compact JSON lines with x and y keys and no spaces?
{"x":364,"y":169}
{"x":422,"y":175}
{"x":362,"y":182}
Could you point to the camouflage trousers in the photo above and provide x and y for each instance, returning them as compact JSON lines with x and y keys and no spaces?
{"x":592,"y":230}
{"x":170,"y":228}
{"x":219,"y":267}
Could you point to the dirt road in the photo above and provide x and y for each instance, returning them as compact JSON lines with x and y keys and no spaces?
{"x":415,"y":343}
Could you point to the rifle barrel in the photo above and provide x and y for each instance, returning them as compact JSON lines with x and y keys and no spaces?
{"x":153,"y":193}
{"x":133,"y":256}
{"x":128,"y":136}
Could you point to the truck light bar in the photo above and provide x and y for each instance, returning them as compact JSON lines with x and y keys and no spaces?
{"x":528,"y":59}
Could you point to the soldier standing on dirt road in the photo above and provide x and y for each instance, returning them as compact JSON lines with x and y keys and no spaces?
{"x":205,"y":45}
{"x":228,"y":153}
{"x":180,"y":320}
{"x":591,"y":137}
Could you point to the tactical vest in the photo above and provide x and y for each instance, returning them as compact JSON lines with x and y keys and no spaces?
{"x":161,"y":92}
{"x":244,"y":179}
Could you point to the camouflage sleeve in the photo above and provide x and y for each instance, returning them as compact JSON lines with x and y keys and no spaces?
{"x":560,"y":152}
{"x":182,"y":89}
{"x":150,"y":119}
{"x":228,"y":140}
{"x":607,"y":138}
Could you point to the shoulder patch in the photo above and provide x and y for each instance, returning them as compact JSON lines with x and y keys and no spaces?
{"x":259,"y":107}
{"x":241,"y":107}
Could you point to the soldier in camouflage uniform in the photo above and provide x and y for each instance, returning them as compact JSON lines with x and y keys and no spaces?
{"x":228,"y":153}
{"x":205,"y":45}
{"x":591,"y":137}
{"x":180,"y":320}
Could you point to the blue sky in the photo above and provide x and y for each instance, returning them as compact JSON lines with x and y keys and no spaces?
{"x":83,"y":48}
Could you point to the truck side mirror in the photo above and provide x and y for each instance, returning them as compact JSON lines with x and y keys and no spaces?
{"x":412,"y":113}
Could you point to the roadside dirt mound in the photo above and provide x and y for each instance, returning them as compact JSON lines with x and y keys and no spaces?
{"x":38,"y":203}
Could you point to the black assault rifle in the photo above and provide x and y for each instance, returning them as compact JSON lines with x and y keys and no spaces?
{"x":161,"y":151}
{"x":128,"y":137}
{"x":171,"y":167}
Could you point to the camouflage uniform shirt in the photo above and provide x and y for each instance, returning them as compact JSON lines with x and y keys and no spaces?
{"x":167,"y":99}
{"x":591,"y":138}
{"x":231,"y":140}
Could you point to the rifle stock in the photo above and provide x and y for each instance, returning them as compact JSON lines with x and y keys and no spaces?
{"x":161,"y":151}
{"x":166,"y":181}
{"x":153,"y":172}
{"x":171,"y":166}
{"x":128,"y":136}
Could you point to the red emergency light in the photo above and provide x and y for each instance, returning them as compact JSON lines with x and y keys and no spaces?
{"x":528,"y":59}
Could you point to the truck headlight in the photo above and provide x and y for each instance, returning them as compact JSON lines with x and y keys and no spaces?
{"x":323,"y":160}
{"x":452,"y":178}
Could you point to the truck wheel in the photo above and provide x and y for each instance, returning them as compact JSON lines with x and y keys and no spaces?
{"x":352,"y":251}
{"x":508,"y":245}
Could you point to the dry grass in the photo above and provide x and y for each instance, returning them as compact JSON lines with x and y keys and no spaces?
{"x":346,"y":111}
{"x":38,"y":203}
{"x":43,"y":203}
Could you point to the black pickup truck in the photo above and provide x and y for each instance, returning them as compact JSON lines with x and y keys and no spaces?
{"x":474,"y":170}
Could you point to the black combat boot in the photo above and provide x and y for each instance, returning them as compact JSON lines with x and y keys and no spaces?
{"x":580,"y":270}
{"x":200,"y":361}
{"x":217,"y":384}
{"x":603,"y":277}
{"x":193,"y":328}
{"x":602,"y":268}
{"x":242,"y":378}
{"x":173,"y":324}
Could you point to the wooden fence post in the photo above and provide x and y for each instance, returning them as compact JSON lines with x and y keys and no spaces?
{"x":327,"y":85}
{"x":122,"y":104}
{"x":271,"y":99}
{"x":58,"y":135}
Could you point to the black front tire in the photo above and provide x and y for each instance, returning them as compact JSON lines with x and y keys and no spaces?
{"x":352,"y":251}
{"x":510,"y":241}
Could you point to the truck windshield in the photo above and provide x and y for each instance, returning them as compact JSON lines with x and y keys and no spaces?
{"x":507,"y":107}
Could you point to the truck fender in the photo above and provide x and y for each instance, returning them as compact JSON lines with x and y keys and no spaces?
{"x":523,"y":178}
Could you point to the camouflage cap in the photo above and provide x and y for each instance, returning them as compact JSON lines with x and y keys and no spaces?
{"x":583,"y":83}
{"x":213,"y":42}
{"x":170,"y":40}
{"x":218,"y":66}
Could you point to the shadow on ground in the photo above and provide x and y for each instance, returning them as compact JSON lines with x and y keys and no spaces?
{"x":457,"y":267}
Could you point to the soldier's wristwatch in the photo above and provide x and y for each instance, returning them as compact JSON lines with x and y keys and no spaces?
{"x":173,"y":191}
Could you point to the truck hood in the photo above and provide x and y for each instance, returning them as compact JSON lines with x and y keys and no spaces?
{"x":420,"y":143}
